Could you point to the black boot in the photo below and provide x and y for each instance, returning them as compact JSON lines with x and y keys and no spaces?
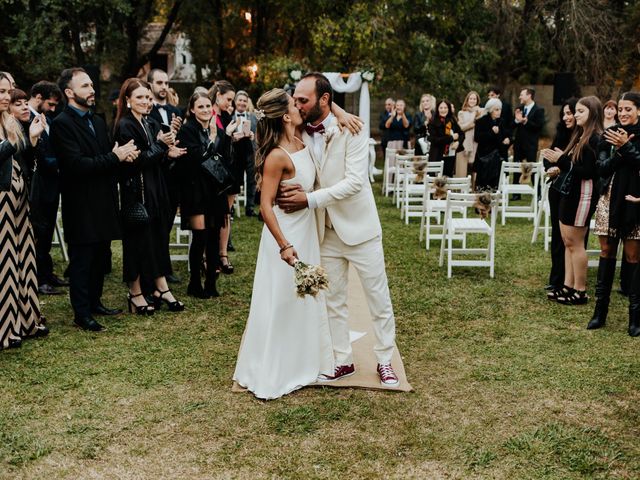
{"x":213,"y":261}
{"x":196,"y":251}
{"x":604,"y":282}
{"x":624,"y":277}
{"x":634,"y":300}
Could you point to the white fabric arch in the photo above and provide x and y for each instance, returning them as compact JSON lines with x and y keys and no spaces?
{"x":353,"y":84}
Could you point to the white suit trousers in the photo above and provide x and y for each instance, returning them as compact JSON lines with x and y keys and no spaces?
{"x":368,"y":260}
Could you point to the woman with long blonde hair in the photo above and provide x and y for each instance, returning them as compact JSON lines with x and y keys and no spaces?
{"x":467,"y":117}
{"x":20,"y":309}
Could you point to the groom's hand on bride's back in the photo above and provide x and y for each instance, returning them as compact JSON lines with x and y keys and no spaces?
{"x":291,"y":198}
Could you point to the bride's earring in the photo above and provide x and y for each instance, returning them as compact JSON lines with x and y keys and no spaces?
{"x":128,"y":105}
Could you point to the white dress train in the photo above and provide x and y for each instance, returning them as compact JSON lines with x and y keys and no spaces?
{"x":287,"y":342}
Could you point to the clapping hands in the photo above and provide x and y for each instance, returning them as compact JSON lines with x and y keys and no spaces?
{"x":127,"y":152}
{"x":552,"y":155}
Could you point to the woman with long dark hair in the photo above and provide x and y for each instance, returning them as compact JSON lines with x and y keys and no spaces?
{"x":578,"y":161}
{"x":145,"y":253}
{"x":564,"y":129}
{"x":618,"y":214}
{"x":20,"y":309}
{"x":203,"y":207}
{"x":445,"y":136}
{"x":222,"y":94}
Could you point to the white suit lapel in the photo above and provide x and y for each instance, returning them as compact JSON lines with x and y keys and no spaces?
{"x":329,"y":137}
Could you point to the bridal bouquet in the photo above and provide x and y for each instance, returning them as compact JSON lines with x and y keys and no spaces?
{"x":309,"y":279}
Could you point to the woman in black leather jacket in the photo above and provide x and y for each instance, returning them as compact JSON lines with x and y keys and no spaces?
{"x":618,"y":212}
{"x":19,"y":308}
{"x":145,"y":252}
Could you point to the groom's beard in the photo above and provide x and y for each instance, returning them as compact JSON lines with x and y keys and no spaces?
{"x":314,"y":114}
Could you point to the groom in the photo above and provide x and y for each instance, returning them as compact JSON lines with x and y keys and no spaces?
{"x":348,"y":225}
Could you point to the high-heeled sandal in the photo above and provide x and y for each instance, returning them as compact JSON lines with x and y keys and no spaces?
{"x":556,"y":293}
{"x":175,"y":306}
{"x":139,"y":309}
{"x":14,"y":342}
{"x":226,"y":268}
{"x":577,"y":297}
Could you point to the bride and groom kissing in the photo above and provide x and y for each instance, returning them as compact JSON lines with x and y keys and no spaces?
{"x":317,"y":205}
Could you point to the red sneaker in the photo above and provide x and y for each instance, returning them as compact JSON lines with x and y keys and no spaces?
{"x":388,"y":377}
{"x":340,"y":371}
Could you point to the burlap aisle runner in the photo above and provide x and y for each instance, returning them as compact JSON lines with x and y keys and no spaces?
{"x":363,"y":355}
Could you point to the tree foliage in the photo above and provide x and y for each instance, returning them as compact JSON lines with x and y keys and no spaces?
{"x":438,"y":46}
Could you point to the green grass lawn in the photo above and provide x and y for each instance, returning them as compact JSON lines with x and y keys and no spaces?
{"x":507,"y":385}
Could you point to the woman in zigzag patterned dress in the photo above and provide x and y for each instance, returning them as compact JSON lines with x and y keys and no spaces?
{"x":19,"y":306}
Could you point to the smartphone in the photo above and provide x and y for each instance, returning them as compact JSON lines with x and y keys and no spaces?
{"x":165,"y":128}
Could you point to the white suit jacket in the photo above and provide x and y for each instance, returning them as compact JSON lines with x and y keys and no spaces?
{"x":342,"y":186}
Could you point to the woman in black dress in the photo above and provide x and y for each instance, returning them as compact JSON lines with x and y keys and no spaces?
{"x":490,"y":134}
{"x":577,"y":207}
{"x":203,"y":207}
{"x":564,"y":129}
{"x":445,"y":136}
{"x":420,"y":121}
{"x":145,"y":253}
{"x":222,"y":94}
{"x":618,"y":212}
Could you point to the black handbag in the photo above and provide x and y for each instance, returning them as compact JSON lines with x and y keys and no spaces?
{"x":135,"y":215}
{"x":218,"y":172}
{"x":563,"y":182}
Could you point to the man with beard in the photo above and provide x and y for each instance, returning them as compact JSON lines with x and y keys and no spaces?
{"x":88,"y":175}
{"x":45,"y":187}
{"x":166,"y":114}
{"x":348,"y":225}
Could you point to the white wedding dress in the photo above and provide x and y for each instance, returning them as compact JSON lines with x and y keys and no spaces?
{"x":286,"y":343}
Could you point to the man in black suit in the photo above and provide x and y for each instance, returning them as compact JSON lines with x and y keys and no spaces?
{"x":88,"y":167}
{"x":45,"y":189}
{"x":528,"y":124}
{"x":164,"y":113}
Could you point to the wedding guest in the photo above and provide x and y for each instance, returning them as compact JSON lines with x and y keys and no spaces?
{"x":421,"y":121}
{"x":610,"y":113}
{"x":577,"y":207}
{"x":244,"y":147}
{"x":88,"y":175}
{"x":9,"y":77}
{"x":222,"y":94}
{"x":495,"y":91}
{"x":564,"y":129}
{"x":203,"y":208}
{"x":165,"y":114}
{"x":528,"y":125}
{"x":618,"y":213}
{"x":397,"y":126}
{"x":389,"y":106}
{"x":611,"y":119}
{"x":45,"y":187}
{"x":20,"y":309}
{"x":491,"y":136}
{"x":467,"y":117}
{"x":445,"y":136}
{"x":144,"y":244}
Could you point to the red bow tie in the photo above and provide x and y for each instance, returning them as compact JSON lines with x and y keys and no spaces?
{"x":311,"y":129}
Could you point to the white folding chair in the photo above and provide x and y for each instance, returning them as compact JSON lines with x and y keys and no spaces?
{"x":389,"y":170}
{"x":241,"y":198}
{"x":506,"y":188}
{"x":464,"y":226}
{"x":433,"y":209}
{"x":414,"y":175}
{"x":58,"y":239}
{"x":544,"y":211}
{"x":182,"y":241}
{"x":404,"y":167}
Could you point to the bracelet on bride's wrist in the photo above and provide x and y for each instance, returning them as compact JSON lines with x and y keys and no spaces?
{"x":286,"y":247}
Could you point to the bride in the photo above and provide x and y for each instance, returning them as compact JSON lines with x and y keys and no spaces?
{"x":286,"y":343}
